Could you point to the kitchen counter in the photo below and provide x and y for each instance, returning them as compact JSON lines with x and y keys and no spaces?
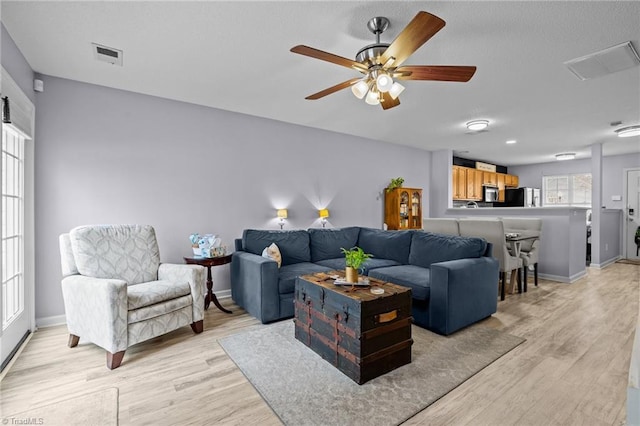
{"x":563,"y":242}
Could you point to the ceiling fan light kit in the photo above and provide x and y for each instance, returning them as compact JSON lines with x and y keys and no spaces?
{"x":627,"y":132}
{"x":381,"y":63}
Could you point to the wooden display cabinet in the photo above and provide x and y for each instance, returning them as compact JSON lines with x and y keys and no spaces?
{"x":403,"y":208}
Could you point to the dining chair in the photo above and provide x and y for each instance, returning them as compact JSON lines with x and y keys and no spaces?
{"x":529,"y":249}
{"x":441,"y":225}
{"x":493,"y":231}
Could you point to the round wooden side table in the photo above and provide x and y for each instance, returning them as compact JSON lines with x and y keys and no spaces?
{"x":208,"y":262}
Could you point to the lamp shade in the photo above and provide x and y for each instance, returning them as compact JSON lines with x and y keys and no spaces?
{"x":324,"y":213}
{"x":395,"y":90}
{"x":384,"y":82}
{"x":360,"y":89}
{"x":282,"y":213}
{"x":372,"y":98}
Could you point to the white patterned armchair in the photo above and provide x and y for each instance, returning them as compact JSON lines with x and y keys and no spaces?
{"x":117,"y":293}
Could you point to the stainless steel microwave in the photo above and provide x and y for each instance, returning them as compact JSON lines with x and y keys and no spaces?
{"x":489,"y":194}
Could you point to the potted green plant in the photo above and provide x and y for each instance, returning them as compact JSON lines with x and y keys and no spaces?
{"x":354,"y":258}
{"x":395,"y":183}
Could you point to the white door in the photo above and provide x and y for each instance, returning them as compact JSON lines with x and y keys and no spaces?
{"x":632,"y":213}
{"x":14,"y":311}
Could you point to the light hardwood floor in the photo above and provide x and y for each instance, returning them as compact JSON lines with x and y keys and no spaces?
{"x":571,"y":370}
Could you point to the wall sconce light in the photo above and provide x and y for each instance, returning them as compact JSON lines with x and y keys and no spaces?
{"x":324,"y":214}
{"x":282,"y":215}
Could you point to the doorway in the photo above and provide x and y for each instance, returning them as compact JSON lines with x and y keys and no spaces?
{"x":632,"y":214}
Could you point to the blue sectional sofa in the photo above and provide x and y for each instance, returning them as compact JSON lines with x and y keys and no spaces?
{"x":454,"y":280}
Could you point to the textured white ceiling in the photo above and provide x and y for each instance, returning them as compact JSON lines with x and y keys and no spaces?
{"x":235,"y":56}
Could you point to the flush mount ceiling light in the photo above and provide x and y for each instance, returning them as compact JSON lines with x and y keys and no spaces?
{"x":566,"y":156}
{"x":627,"y":132}
{"x":511,"y":142}
{"x":477,"y":125}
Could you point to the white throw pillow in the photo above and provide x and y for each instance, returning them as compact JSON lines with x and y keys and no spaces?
{"x":273,"y":252}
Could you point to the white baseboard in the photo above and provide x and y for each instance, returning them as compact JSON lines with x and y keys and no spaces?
{"x":562,"y":279}
{"x":61,"y":319}
{"x":51,"y":321}
{"x":605,"y":263}
{"x":223,"y":294}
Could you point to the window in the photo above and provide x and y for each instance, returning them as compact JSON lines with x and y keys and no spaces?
{"x":12,"y":224}
{"x":565,"y":190}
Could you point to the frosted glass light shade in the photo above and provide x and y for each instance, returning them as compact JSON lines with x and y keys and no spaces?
{"x":282,"y":213}
{"x":565,"y":156}
{"x":360,"y":89}
{"x":477,"y":125}
{"x":372,"y":98}
{"x":384,"y":83}
{"x":627,"y":132}
{"x":396,"y":89}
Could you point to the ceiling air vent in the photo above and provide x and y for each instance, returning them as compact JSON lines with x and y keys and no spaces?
{"x":607,"y":61}
{"x":107,"y":54}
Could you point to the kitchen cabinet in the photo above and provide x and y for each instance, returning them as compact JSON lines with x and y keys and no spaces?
{"x":489,"y":178}
{"x":511,"y":181}
{"x":501,"y":179}
{"x":460,"y":182}
{"x":403,"y":208}
{"x":474,"y":184}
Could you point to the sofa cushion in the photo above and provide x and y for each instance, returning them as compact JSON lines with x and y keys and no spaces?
{"x":418,"y":279}
{"x":326,"y":243}
{"x":369,"y":264}
{"x":428,"y":248}
{"x":287,"y":274}
{"x":293,"y":245}
{"x":381,"y":244}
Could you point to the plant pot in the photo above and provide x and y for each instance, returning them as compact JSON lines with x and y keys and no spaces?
{"x":351,"y":275}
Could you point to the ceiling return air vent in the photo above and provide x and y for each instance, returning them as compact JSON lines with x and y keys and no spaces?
{"x":607,"y":61}
{"x":107,"y":54}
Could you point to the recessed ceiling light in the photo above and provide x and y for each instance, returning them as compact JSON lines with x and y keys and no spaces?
{"x":476,"y":125}
{"x":510,"y":142}
{"x":566,"y":156}
{"x":627,"y":132}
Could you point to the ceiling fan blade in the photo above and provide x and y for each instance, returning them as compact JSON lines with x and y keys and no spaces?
{"x":421,"y":28}
{"x":329,"y":57}
{"x":388,"y":101}
{"x":437,"y":72}
{"x":332,"y":89}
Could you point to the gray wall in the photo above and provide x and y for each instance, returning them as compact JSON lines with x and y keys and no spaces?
{"x":612,"y":174}
{"x":16,"y":65}
{"x":110,"y":156}
{"x":610,"y":236}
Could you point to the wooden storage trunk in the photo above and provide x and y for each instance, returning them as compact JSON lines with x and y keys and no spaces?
{"x":362,"y":334}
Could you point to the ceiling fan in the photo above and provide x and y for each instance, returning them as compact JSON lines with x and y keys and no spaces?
{"x":381,"y":63}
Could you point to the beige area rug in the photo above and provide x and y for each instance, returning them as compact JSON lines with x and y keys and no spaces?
{"x":629,"y":261}
{"x":98,"y":408}
{"x":303,"y":389}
